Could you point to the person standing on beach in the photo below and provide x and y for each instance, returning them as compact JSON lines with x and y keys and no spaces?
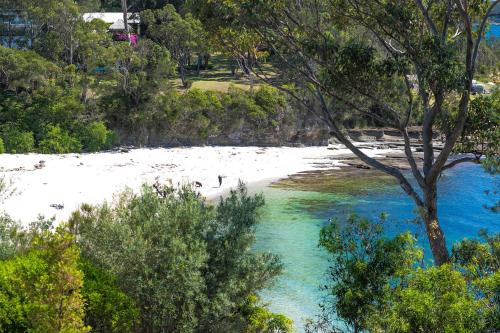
{"x":220,"y":180}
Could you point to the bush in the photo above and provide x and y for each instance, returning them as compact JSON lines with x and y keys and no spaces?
{"x":95,"y":136}
{"x":107,"y":308}
{"x":112,"y":139}
{"x":187,"y":265}
{"x":260,"y":319}
{"x":40,"y":287}
{"x":58,"y":141}
{"x":17,"y":141}
{"x":381,"y":284}
{"x":2,"y":147}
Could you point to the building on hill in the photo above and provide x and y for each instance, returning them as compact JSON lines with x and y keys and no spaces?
{"x":116,"y":24}
{"x":16,"y":31}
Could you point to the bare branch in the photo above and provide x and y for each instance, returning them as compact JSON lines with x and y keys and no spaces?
{"x":461,"y":160}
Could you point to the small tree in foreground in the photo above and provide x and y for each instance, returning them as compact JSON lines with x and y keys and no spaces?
{"x":40,"y":283}
{"x":379,"y":284}
{"x":187,"y":265}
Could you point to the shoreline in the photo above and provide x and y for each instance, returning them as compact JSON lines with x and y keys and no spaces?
{"x":66,"y":181}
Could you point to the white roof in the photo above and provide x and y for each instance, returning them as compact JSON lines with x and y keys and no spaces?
{"x":119,"y":25}
{"x":111,"y":17}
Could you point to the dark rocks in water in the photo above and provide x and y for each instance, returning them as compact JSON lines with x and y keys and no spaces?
{"x":359,"y":166}
{"x":348,"y":180}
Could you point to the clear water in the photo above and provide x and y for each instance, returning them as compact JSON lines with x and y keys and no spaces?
{"x":293,"y":219}
{"x":494,"y":31}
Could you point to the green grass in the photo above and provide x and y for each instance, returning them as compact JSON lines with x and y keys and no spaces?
{"x":218,"y":77}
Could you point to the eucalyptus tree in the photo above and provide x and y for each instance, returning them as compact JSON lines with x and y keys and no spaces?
{"x":182,"y":36}
{"x":388,"y":60}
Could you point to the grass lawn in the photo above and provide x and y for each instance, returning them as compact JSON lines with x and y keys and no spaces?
{"x":218,"y":77}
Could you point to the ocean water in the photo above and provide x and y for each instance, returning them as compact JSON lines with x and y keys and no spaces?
{"x":494,"y":31}
{"x":293,"y":219}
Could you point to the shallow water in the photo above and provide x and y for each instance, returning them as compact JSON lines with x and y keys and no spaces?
{"x":293,"y":219}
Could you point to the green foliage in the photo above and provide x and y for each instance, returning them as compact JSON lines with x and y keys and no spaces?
{"x":378,"y":284}
{"x":107,"y":308}
{"x":40,"y":287}
{"x":95,"y":136}
{"x":481,"y":134}
{"x":2,"y":146}
{"x":436,"y":300}
{"x":363,"y":265}
{"x":180,"y":35}
{"x":205,"y":250}
{"x":57,"y":141}
{"x":15,"y":140}
{"x":261,"y":319}
{"x":24,"y":70}
{"x":8,"y":229}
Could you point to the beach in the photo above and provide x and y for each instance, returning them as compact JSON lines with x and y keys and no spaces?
{"x":56,"y":185}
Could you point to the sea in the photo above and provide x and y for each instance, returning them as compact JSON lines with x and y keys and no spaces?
{"x":293,"y":218}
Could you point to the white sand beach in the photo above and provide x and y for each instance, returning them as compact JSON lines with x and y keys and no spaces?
{"x":71,"y":179}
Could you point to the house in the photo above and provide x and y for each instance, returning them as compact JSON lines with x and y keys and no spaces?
{"x":117,"y":26}
{"x":16,"y":31}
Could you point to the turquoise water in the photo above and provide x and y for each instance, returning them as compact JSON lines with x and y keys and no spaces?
{"x":292,"y":221}
{"x":494,"y":31}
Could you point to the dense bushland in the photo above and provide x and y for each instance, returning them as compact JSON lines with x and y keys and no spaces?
{"x":60,"y":110}
{"x":162,"y":260}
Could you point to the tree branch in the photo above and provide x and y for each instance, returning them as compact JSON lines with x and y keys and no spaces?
{"x":459,"y":161}
{"x":428,"y":19}
{"x":480,"y":32}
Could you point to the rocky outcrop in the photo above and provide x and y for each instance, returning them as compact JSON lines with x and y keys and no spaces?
{"x":306,"y":132}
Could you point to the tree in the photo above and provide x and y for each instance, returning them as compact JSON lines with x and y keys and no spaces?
{"x":40,"y":287}
{"x":54,"y":26}
{"x":24,"y":70}
{"x":379,"y":284}
{"x":181,"y":36}
{"x":364,"y":58}
{"x":481,"y":133}
{"x":187,"y":265}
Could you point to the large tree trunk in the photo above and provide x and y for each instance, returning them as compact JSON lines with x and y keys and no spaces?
{"x":434,"y":232}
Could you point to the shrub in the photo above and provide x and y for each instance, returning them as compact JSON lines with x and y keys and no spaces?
{"x":112,"y":139}
{"x":381,"y":284}
{"x":95,"y":136}
{"x":260,"y":319}
{"x":58,"y":141}
{"x":269,"y":99}
{"x":40,"y":287}
{"x":17,"y":141}
{"x":107,"y":308}
{"x":187,"y":265}
{"x":2,"y":147}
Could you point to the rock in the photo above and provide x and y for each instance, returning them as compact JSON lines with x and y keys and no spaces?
{"x":57,"y":206}
{"x":40,"y":165}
